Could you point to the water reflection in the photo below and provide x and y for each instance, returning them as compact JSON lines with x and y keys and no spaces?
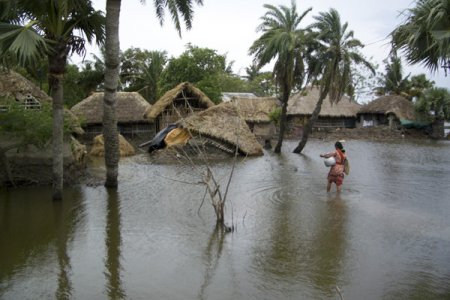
{"x":328,"y":247}
{"x":212,"y":255}
{"x":386,"y":236}
{"x":35,"y":235}
{"x":113,"y":242}
{"x":63,"y":234}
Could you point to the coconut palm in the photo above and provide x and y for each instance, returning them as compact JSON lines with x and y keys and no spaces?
{"x":177,"y":9}
{"x":282,"y":39}
{"x":424,"y":37}
{"x":330,"y":63}
{"x":55,"y":29}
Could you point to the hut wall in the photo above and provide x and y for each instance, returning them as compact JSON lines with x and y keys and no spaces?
{"x":369,"y":120}
{"x":171,"y":115}
{"x":264,"y":130}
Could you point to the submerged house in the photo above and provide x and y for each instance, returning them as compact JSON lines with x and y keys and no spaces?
{"x":130,"y":114}
{"x":389,"y":110}
{"x":224,"y":128}
{"x":332,"y":115}
{"x":183,"y":100}
{"x":256,"y":113}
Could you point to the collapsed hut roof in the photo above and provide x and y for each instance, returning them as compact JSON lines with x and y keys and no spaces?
{"x":222,"y":122}
{"x":130,"y":108}
{"x":401,"y":107}
{"x":184,"y":89}
{"x":304,"y":103}
{"x":255,"y":110}
{"x":14,"y":85}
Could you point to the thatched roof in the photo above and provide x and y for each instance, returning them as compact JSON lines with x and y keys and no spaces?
{"x":398,"y":105}
{"x":223,"y":122}
{"x":303,"y":103}
{"x":130,"y":108}
{"x":185,"y":87}
{"x":14,"y":85}
{"x":255,"y":110}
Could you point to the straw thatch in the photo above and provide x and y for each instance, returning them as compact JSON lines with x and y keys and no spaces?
{"x":222,"y":122}
{"x":181,"y":91}
{"x":14,"y":85}
{"x":98,"y":147}
{"x":130,"y":108}
{"x":304,"y":103}
{"x":401,"y":107}
{"x":255,"y":110}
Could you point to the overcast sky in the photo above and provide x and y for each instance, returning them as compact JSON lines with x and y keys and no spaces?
{"x":230,"y":27}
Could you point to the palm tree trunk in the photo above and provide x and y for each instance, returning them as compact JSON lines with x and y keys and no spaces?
{"x":57,"y":65}
{"x":112,"y":62}
{"x":308,"y":127}
{"x":283,"y":118}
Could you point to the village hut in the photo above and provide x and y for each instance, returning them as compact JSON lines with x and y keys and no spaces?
{"x":390,"y":110}
{"x":256,"y":113}
{"x":177,"y":103}
{"x":16,"y":88}
{"x":222,"y":124}
{"x":332,"y":115}
{"x":130,"y":110}
{"x":98,"y":147}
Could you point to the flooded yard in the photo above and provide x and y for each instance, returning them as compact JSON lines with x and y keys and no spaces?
{"x":385,"y":236}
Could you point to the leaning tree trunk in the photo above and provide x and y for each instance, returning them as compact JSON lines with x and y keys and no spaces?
{"x":112,"y":62}
{"x":283,"y":118}
{"x":308,"y":127}
{"x":57,"y":64}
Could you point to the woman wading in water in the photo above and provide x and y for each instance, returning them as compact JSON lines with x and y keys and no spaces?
{"x":336,"y":173}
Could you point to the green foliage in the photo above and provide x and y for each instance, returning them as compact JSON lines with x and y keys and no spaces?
{"x":202,"y":67}
{"x":435,"y":101}
{"x":282,"y":40}
{"x":275,"y":115}
{"x":141,"y":71}
{"x":424,"y":35}
{"x":263,"y":85}
{"x":393,"y":81}
{"x":32,"y":126}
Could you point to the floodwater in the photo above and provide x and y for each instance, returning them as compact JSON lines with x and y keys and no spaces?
{"x":385,"y":236}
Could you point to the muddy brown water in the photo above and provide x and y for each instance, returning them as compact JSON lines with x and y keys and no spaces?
{"x":386,"y":236}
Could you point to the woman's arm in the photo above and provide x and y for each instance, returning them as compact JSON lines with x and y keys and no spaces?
{"x":326,"y":155}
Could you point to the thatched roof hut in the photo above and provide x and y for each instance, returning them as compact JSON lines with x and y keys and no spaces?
{"x":401,"y":107}
{"x":223,"y":123}
{"x":304,"y":103}
{"x":255,"y":110}
{"x":177,"y":103}
{"x":130,"y":108}
{"x":14,"y":85}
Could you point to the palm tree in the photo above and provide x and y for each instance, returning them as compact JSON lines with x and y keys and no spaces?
{"x":281,"y":39}
{"x":56,"y":29}
{"x":112,"y":59}
{"x":424,"y":37}
{"x":330,"y":63}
